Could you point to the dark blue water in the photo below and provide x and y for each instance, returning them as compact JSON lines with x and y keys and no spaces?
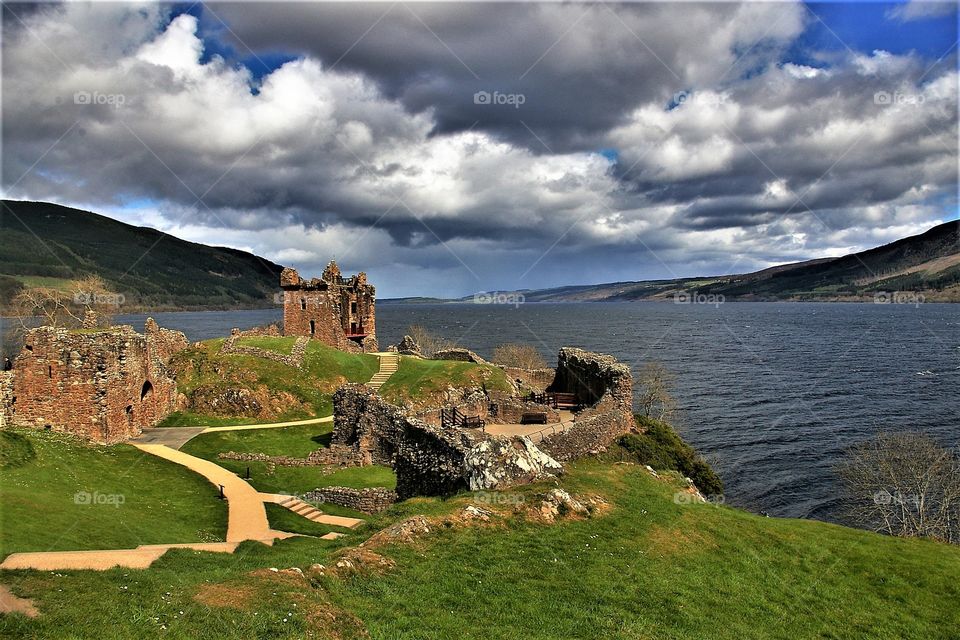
{"x":770,"y":393}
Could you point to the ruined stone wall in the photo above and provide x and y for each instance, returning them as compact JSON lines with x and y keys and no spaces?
{"x":427,"y":459}
{"x":603,"y":383}
{"x":6,"y":397}
{"x":593,"y":430}
{"x":334,"y":456}
{"x":338,"y":311}
{"x":371,"y":500}
{"x":458,"y":354}
{"x":104,"y":385}
{"x":538,"y":379}
{"x":293,"y":359}
{"x":590,"y":375}
{"x":511,"y":410}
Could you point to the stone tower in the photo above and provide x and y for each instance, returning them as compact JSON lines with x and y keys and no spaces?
{"x":337,"y":311}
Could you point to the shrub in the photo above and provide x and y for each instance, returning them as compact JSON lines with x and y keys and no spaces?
{"x":522,"y":356}
{"x":663,"y":449}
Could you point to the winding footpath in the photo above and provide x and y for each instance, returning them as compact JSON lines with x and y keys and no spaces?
{"x":247,"y":516}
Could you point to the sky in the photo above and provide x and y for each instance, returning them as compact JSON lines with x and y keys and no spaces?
{"x":451,"y":148}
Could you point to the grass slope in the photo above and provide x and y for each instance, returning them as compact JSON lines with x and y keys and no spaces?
{"x":649,"y":568}
{"x":299,"y":393}
{"x":152,"y":269}
{"x":42,"y":472}
{"x":426,"y":381}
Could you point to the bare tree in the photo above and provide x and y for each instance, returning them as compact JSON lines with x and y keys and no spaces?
{"x":67,"y":307}
{"x":428,"y":342}
{"x":904,"y":484}
{"x":522,"y":356}
{"x":656,"y":385}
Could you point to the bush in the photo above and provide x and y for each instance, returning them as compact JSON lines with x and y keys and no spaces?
{"x":522,"y":356}
{"x":663,"y":449}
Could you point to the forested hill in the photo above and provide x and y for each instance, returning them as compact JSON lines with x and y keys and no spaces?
{"x":49,"y":244}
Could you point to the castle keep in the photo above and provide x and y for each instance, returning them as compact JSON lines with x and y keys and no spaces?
{"x":335,"y":310}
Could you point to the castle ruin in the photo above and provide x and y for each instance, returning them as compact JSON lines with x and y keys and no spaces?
{"x":105,"y":385}
{"x":335,"y":310}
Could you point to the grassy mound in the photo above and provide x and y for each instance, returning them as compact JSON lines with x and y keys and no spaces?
{"x":65,"y":494}
{"x":424,"y":382}
{"x":647,"y":568}
{"x":663,"y":449}
{"x":283,"y":392}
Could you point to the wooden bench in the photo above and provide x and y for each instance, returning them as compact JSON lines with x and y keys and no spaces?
{"x":534,"y":417}
{"x":472,"y":422}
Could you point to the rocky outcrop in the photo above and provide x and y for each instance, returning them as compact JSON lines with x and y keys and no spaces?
{"x":428,"y":459}
{"x":459,"y":354}
{"x":409,"y":347}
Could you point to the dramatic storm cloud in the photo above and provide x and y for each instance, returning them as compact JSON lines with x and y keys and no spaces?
{"x":459,"y":147}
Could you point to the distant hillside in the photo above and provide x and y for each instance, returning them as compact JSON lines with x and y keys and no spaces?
{"x":927,"y":264}
{"x":50,"y":244}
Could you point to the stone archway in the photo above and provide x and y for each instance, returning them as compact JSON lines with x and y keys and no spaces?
{"x":146,"y":391}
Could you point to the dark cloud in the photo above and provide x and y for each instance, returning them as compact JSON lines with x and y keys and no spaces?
{"x":372,"y":148}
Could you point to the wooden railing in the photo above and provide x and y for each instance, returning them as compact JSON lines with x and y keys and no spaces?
{"x":453,"y":418}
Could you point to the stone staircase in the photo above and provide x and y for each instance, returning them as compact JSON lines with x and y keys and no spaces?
{"x":389,"y":363}
{"x":310,"y":512}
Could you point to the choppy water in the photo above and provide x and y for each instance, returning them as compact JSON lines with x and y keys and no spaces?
{"x":771,"y":393}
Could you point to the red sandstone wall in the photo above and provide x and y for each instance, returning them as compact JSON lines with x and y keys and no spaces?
{"x":105,"y":385}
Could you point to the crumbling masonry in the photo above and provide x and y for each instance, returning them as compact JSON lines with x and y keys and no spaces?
{"x":105,"y":385}
{"x":338,"y":311}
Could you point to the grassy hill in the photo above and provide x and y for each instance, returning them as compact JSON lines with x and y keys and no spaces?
{"x":49,"y":244}
{"x":649,"y":566}
{"x":927,"y":264}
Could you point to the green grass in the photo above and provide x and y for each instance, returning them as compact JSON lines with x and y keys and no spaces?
{"x":278,"y":344}
{"x":302,"y":393}
{"x":296,"y":441}
{"x":43,"y":472}
{"x":428,"y":380}
{"x":649,"y":568}
{"x":282,"y":519}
